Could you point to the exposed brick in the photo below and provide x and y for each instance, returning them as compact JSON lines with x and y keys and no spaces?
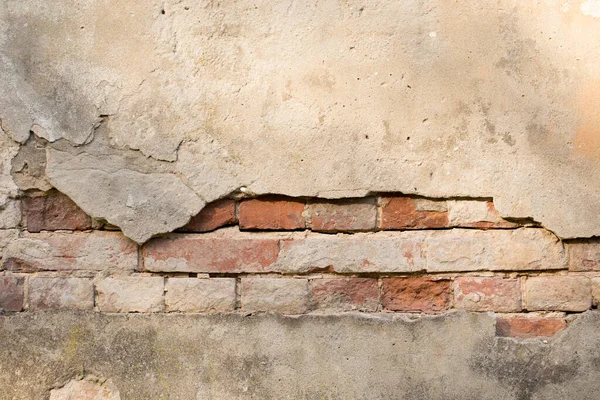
{"x":285,"y":295}
{"x":401,"y":212}
{"x":11,"y":293}
{"x":214,"y":215}
{"x":216,"y":253}
{"x":476,"y":214}
{"x":487,"y":294}
{"x":131,"y":294}
{"x":596,"y":291}
{"x":557,"y":293}
{"x":10,"y":214}
{"x":352,"y":215}
{"x":584,"y":255}
{"x":60,"y":293}
{"x":345,"y":294}
{"x":526,"y":327}
{"x":415,"y":294}
{"x":54,"y":211}
{"x":271,"y":213}
{"x":94,"y":251}
{"x":200,"y":295}
{"x":361,"y":252}
{"x":494,"y":250}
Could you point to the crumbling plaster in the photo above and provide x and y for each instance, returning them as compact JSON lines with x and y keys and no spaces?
{"x":150,"y":109}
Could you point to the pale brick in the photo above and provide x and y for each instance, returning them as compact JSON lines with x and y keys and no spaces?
{"x":231,"y":252}
{"x":476,"y":214}
{"x":200,"y":295}
{"x":60,"y":293}
{"x":596,"y":291}
{"x":494,"y":250}
{"x":584,"y":256}
{"x":94,"y":251}
{"x":557,"y":293}
{"x":350,"y":215}
{"x":131,"y":294}
{"x":377,"y":252}
{"x":345,"y":294}
{"x":487,"y":294}
{"x":285,"y":295}
{"x":10,"y":214}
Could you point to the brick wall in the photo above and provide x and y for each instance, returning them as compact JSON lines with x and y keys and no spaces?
{"x":380,"y":254}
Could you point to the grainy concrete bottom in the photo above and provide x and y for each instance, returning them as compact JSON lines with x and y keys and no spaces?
{"x":454,"y":356}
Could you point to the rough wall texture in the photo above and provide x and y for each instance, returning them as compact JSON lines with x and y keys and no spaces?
{"x":410,"y":188}
{"x":150,"y":109}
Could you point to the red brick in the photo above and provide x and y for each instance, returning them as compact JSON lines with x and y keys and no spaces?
{"x":584,"y":255}
{"x":415,"y":294}
{"x":194,"y":253}
{"x":214,"y":215}
{"x":11,"y":293}
{"x":345,"y":294}
{"x":402,"y":213}
{"x":525,"y":327}
{"x":487,"y":294}
{"x":352,"y":215}
{"x":54,"y":211}
{"x":271,"y":213}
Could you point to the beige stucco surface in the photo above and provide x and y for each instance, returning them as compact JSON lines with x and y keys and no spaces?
{"x":153,"y":108}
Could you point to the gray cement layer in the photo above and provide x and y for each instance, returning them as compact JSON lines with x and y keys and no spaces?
{"x":329,"y":98}
{"x":454,"y":356}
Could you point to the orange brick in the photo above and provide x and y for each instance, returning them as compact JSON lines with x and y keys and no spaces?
{"x":524,"y":327}
{"x":214,"y":215}
{"x":271,"y":213}
{"x":402,"y":213}
{"x":415,"y":294}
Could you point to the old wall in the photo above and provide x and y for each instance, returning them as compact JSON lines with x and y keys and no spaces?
{"x":422,"y":174}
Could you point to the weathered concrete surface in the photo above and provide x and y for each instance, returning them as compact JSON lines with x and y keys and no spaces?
{"x":330,"y":98}
{"x":229,"y":357}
